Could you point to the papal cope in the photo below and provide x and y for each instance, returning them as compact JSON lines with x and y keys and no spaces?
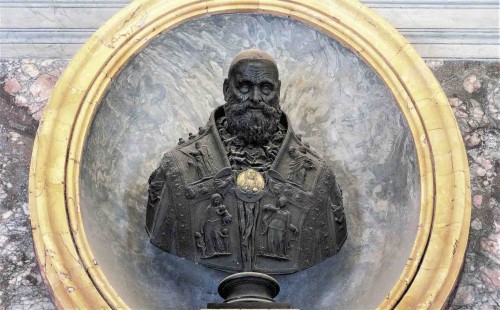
{"x":245,"y":193}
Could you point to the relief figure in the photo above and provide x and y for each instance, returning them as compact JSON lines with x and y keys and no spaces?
{"x":299,"y":166}
{"x":214,"y":233}
{"x":277,"y":223}
{"x":201,"y":160}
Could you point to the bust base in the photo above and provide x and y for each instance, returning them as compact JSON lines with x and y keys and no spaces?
{"x":249,"y":290}
{"x":249,"y":305}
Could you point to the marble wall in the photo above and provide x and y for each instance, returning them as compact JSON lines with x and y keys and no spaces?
{"x":26,"y":86}
{"x":472,"y":87}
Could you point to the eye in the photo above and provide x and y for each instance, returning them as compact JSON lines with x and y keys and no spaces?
{"x":266,"y":89}
{"x":244,"y":88}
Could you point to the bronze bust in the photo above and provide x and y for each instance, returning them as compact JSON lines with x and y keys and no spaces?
{"x":245,"y":193}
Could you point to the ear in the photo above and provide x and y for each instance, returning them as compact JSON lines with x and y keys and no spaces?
{"x":225,"y":89}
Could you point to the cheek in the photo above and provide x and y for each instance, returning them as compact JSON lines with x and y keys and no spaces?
{"x":272,"y":97}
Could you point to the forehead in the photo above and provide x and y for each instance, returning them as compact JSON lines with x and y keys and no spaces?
{"x":255,"y":70}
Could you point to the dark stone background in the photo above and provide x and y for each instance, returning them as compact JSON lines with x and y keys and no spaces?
{"x":332,"y":98}
{"x":473,"y":89}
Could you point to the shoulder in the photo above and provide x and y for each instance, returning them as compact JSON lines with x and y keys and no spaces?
{"x":186,"y":145}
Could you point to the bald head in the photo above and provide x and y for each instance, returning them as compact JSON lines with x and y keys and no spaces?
{"x":252,"y":54}
{"x":253,"y":75}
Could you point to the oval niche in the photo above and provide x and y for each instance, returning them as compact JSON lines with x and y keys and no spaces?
{"x":333,"y":98}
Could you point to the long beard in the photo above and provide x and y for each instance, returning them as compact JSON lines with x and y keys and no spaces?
{"x":253,"y":126}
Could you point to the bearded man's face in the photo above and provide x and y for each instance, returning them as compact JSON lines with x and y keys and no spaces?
{"x":252,"y":93}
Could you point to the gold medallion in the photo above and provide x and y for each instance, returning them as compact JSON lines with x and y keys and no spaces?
{"x":250,"y":180}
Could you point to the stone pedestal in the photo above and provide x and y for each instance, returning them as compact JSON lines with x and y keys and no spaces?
{"x":249,"y":290}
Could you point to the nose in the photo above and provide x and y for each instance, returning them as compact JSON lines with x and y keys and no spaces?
{"x":255,"y":97}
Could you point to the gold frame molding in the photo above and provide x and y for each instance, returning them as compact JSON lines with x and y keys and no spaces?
{"x":64,"y":256}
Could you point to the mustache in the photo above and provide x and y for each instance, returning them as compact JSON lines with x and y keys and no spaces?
{"x":238,"y":109}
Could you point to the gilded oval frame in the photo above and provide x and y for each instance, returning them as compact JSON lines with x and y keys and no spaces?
{"x":64,"y":256}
